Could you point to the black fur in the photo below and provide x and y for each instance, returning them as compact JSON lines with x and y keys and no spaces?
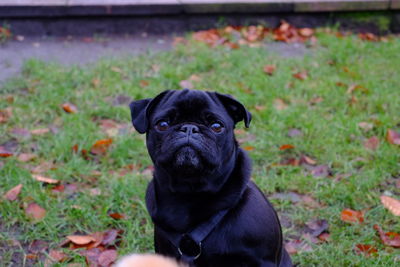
{"x":199,"y":172}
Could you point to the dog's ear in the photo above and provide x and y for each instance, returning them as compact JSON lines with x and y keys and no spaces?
{"x":140,"y":110}
{"x":235,"y":109}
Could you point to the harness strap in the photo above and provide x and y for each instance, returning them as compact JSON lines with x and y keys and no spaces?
{"x":189,"y":245}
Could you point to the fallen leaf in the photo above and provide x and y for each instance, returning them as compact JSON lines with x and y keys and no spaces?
{"x":317,"y":227}
{"x":35,"y":212}
{"x":366,"y":126}
{"x":91,"y":256}
{"x":117,"y":69}
{"x":37,"y":246}
{"x":121,"y":100}
{"x":107,"y":257}
{"x":25,"y":157}
{"x":295,"y":246}
{"x":352,"y":216}
{"x":186,"y":84}
{"x":43,"y":167}
{"x":269,"y":69}
{"x":389,"y":239}
{"x":325,"y":237}
{"x":307,"y":160}
{"x":320,"y":171}
{"x":40,"y":131}
{"x":81,"y":239}
{"x":393,"y":205}
{"x":301,"y":75}
{"x":306,"y":32}
{"x":371,"y":143}
{"x":316,"y":100}
{"x":55,"y":256}
{"x":355,"y":87}
{"x":260,"y":107}
{"x":286,"y":147}
{"x":280,"y":104}
{"x":101,"y":147}
{"x":143,"y":83}
{"x":5,"y":114}
{"x":110,"y":236}
{"x":249,"y":148}
{"x":367,"y":250}
{"x":117,"y":216}
{"x":5,"y":153}
{"x":393,"y":137}
{"x":13,"y":193}
{"x":44,"y":179}
{"x":69,"y":108}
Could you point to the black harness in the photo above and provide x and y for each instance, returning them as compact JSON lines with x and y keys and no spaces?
{"x":189,"y":245}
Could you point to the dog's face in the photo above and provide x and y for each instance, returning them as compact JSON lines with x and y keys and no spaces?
{"x":190,"y":137}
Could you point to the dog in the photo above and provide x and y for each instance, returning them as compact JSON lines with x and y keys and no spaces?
{"x":205,"y":209}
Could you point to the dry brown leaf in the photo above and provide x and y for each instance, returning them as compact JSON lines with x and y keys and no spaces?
{"x":101,"y":146}
{"x":5,"y":114}
{"x":393,"y":205}
{"x":45,"y":179}
{"x":81,"y":239}
{"x":280,"y":104}
{"x":107,"y":257}
{"x":117,"y":216}
{"x":389,"y":239}
{"x":367,"y":250}
{"x":371,"y":143}
{"x":35,"y":212}
{"x":143,"y":83}
{"x":393,"y":137}
{"x":69,"y":108}
{"x":301,"y":75}
{"x":40,"y":131}
{"x":25,"y":157}
{"x":13,"y":193}
{"x":352,"y":216}
{"x":269,"y":69}
{"x":55,"y":256}
{"x":307,"y":160}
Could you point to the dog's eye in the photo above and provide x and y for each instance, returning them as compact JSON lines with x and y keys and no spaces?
{"x":162,"y":125}
{"x":216,"y":127}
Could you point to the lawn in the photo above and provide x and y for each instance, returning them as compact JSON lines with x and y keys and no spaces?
{"x":318,"y":141}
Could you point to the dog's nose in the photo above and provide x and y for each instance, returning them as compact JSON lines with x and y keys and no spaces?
{"x":189,"y":129}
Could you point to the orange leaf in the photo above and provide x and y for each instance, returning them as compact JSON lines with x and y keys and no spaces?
{"x":269,"y":69}
{"x":306,"y":32}
{"x":143,"y":83}
{"x":117,"y":216}
{"x":81,"y":239}
{"x":286,"y":146}
{"x":5,"y":114}
{"x":352,"y":216}
{"x":101,"y":146}
{"x":4,"y":153}
{"x":69,"y":108}
{"x":249,"y":148}
{"x":44,"y":179}
{"x":301,"y":75}
{"x":35,"y":211}
{"x":13,"y":193}
{"x":365,"y":249}
{"x":389,"y":239}
{"x":393,"y":137}
{"x":393,"y":205}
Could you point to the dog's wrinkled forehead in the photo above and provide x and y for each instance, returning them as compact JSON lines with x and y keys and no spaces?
{"x":190,"y":104}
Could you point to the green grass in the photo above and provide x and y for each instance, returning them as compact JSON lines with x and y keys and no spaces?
{"x":331,"y":136}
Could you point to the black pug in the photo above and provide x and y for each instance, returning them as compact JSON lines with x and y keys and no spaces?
{"x":205,"y":208}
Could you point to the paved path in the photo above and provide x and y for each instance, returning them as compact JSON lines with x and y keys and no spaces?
{"x":76,"y":51}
